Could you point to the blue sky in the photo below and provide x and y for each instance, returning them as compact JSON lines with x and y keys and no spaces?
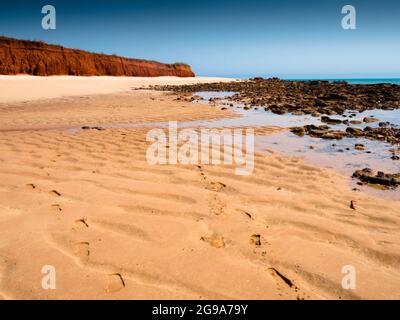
{"x":286,"y":38}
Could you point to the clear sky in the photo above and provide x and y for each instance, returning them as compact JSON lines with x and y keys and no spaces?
{"x":287,"y":38}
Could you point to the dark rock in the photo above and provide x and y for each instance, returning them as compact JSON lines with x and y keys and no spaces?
{"x":313,"y":98}
{"x":334,"y":135}
{"x":354,"y":131}
{"x":297,"y":113}
{"x":385,"y":179}
{"x":370,"y":120}
{"x":300,"y":131}
{"x":330,"y":120}
{"x":359,"y":147}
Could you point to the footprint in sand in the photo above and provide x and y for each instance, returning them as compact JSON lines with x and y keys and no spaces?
{"x":256,"y":240}
{"x":215,"y":241}
{"x":282,"y":279}
{"x":80,"y":224}
{"x":82,"y":250}
{"x":55,"y":193}
{"x":216,"y":205}
{"x":203,"y":175}
{"x":216,"y":186}
{"x":56,"y":207}
{"x":245,"y":213}
{"x":212,"y":186}
{"x":115,"y":283}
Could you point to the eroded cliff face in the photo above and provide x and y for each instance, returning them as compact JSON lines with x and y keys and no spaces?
{"x":41,"y":59}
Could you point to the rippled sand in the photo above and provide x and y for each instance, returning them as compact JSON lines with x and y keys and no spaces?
{"x":114,"y":227}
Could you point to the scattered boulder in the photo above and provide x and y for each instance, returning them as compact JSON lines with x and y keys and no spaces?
{"x":334,"y":135}
{"x":330,"y":120}
{"x":367,"y":175}
{"x":359,"y":147}
{"x":387,"y":134}
{"x":308,"y":97}
{"x":370,"y":119}
{"x":299,"y":131}
{"x":354,"y":131}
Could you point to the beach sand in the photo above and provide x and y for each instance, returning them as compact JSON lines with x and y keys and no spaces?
{"x":114,"y":227}
{"x":28,"y":88}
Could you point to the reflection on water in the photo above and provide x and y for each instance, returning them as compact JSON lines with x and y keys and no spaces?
{"x":336,"y":154}
{"x":260,"y":117}
{"x":339,"y":155}
{"x":207,"y":95}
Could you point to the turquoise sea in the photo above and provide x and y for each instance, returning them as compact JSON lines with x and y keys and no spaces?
{"x":326,"y":78}
{"x":359,"y":81}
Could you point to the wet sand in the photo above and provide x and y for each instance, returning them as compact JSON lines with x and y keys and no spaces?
{"x":89,"y":204}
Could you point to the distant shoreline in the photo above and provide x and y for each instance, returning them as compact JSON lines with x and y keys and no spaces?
{"x":357,"y":80}
{"x":16,"y":88}
{"x":373,"y":80}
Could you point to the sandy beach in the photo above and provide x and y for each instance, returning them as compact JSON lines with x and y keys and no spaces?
{"x":114,"y":227}
{"x":28,"y":88}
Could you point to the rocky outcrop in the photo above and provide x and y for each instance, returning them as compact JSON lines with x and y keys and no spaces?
{"x":41,"y":59}
{"x":321,"y":99}
{"x":385,"y":179}
{"x":315,"y":98}
{"x":387,"y":134}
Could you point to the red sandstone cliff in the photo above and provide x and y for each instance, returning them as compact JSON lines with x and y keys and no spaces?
{"x":41,"y":59}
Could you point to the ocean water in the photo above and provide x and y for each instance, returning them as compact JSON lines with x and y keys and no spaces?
{"x":348,"y":80}
{"x":360,"y":81}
